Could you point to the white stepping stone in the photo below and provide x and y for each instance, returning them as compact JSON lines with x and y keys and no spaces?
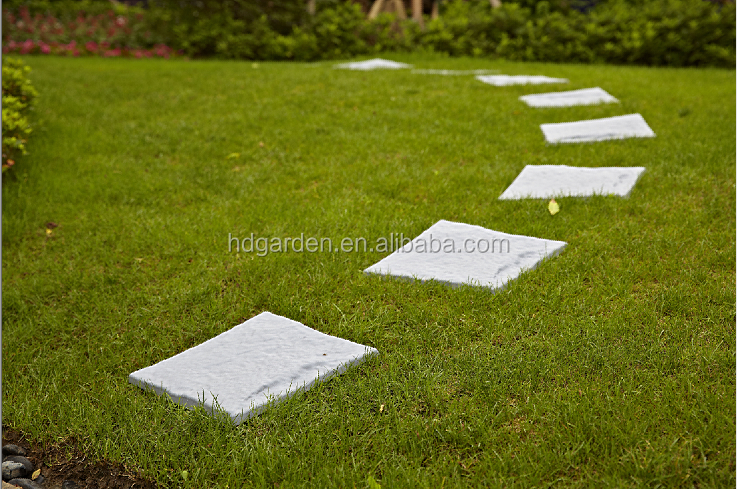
{"x":373,"y":64}
{"x":263,"y":359}
{"x":454,"y":72}
{"x":506,"y":80}
{"x":585,"y":96}
{"x":456,"y":254}
{"x":551,"y":181}
{"x":620,"y":127}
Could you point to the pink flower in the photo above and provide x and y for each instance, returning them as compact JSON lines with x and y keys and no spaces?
{"x":45,"y":48}
{"x":91,"y":46}
{"x":121,"y":21}
{"x":26,"y":47}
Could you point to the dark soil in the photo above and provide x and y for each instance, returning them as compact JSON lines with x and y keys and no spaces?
{"x":65,"y":461}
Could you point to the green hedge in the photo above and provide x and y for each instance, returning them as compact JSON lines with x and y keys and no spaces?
{"x":656,"y":32}
{"x":649,"y":32}
{"x":18,"y":95}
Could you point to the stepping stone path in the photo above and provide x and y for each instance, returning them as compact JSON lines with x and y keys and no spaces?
{"x":242,"y":370}
{"x":456,"y":254}
{"x":620,"y":127}
{"x":506,"y":80}
{"x":373,"y":64}
{"x":269,"y":357}
{"x":18,"y":471}
{"x":550,"y":181}
{"x":585,"y":96}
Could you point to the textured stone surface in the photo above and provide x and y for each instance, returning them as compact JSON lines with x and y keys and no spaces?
{"x":25,"y":484}
{"x":11,"y":449}
{"x":462,"y":258}
{"x":506,"y":80}
{"x":551,"y":181}
{"x":27,"y":465}
{"x":373,"y":64}
{"x":261,"y":359}
{"x":620,"y":127}
{"x":12,"y":470}
{"x":585,"y":96}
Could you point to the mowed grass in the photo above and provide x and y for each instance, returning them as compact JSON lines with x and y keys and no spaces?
{"x":611,"y":365}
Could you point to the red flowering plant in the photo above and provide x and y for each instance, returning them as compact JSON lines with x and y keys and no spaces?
{"x":109,"y":34}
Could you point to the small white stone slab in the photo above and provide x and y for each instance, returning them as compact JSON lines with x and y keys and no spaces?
{"x":263,"y":359}
{"x":585,"y":96}
{"x":456,"y":254}
{"x":373,"y":64}
{"x":551,"y":181}
{"x":620,"y":127}
{"x":506,"y":80}
{"x":454,"y":72}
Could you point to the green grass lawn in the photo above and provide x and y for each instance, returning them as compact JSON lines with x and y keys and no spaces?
{"x":611,"y":365}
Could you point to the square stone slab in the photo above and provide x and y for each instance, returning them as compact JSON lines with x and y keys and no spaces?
{"x":550,"y":181}
{"x":456,"y":254}
{"x":506,"y":80}
{"x":620,"y":127}
{"x":265,"y":358}
{"x":454,"y":72}
{"x":373,"y":64}
{"x":585,"y":96}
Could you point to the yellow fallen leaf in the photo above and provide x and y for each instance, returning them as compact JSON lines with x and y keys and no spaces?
{"x":49,"y":232}
{"x":372,"y":483}
{"x":233,"y":155}
{"x":553,"y":207}
{"x":381,"y":408}
{"x":36,"y":474}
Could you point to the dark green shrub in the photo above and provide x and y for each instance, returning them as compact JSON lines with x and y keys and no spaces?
{"x":663,"y":32}
{"x":227,"y":28}
{"x":657,"y":32}
{"x":650,"y":32}
{"x":18,"y":95}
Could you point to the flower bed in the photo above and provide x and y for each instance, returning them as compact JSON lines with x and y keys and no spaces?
{"x":110,"y":35}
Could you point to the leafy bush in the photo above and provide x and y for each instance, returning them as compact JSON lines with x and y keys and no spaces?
{"x":18,"y":95}
{"x":658,"y":32}
{"x":650,"y":32}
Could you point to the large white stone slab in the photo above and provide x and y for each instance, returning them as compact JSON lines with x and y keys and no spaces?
{"x":456,"y":254}
{"x":585,"y":96}
{"x":551,"y":181}
{"x":506,"y":80}
{"x":373,"y":64}
{"x":454,"y":72}
{"x":620,"y":127}
{"x":265,"y":358}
